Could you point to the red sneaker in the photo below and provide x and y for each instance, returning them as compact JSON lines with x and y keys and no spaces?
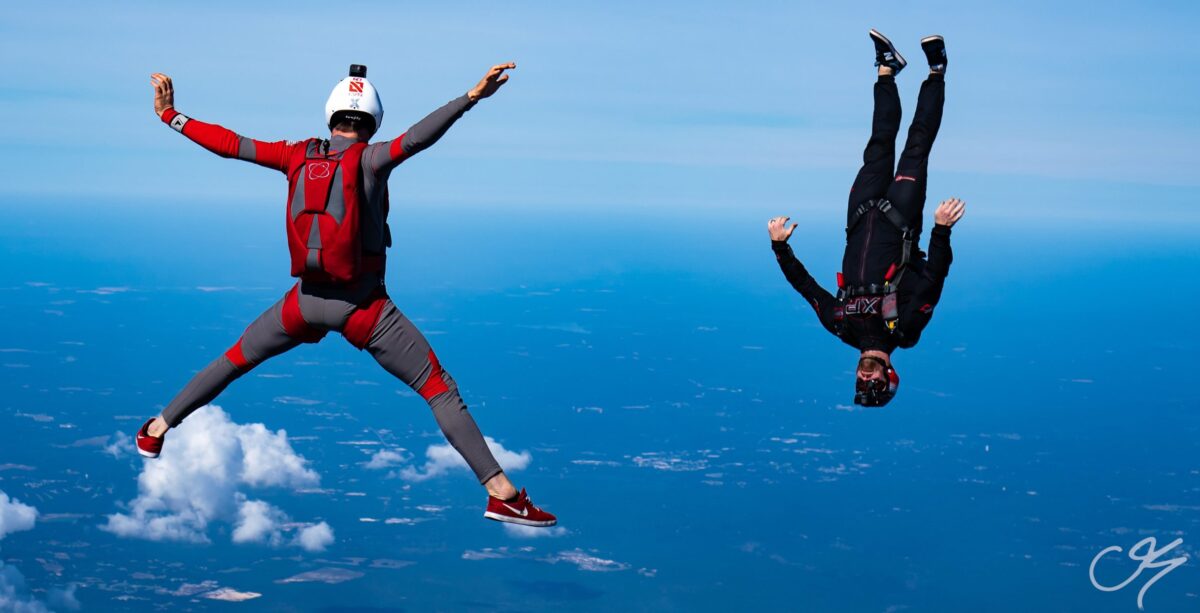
{"x":520,"y":511}
{"x":149,"y":446}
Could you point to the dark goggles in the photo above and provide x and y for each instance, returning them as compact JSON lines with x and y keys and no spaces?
{"x":877,"y":392}
{"x":872,"y":393}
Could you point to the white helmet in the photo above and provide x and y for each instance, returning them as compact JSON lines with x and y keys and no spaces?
{"x":352,"y":96}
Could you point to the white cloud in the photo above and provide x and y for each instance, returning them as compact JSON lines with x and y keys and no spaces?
{"x":13,"y":595}
{"x":532,"y":532}
{"x":586,"y":561}
{"x":229,"y":594}
{"x":205,"y":464}
{"x":441,"y":459}
{"x":259,"y":522}
{"x":121,"y":444}
{"x":489,"y":553}
{"x":328,"y":575}
{"x":62,"y":599}
{"x":385,"y":458}
{"x":315,"y":537}
{"x":669,"y":463}
{"x":14,"y":516}
{"x":580,"y":558}
{"x":18,"y":517}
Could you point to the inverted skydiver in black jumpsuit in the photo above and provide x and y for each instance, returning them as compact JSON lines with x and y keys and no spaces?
{"x":888,"y":287}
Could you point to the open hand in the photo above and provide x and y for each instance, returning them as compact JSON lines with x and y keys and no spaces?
{"x":949,"y":212}
{"x":164,"y":93}
{"x":491,"y":81}
{"x":779,"y":229}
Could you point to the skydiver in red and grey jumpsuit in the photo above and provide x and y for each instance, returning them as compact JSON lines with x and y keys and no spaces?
{"x":359,"y":309}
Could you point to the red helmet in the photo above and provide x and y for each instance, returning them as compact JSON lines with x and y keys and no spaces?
{"x":877,"y":392}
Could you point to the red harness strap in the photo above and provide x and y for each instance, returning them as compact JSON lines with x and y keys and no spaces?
{"x":293,"y":322}
{"x":362,"y":322}
{"x":293,"y":325}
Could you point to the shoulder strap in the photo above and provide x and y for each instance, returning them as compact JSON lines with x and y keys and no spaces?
{"x":858,"y":214}
{"x":885,"y":206}
{"x":894,"y":216}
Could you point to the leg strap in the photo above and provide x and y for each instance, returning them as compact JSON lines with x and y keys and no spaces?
{"x":293,"y":321}
{"x":434,"y":384}
{"x":362,"y":322}
{"x":238,"y":358}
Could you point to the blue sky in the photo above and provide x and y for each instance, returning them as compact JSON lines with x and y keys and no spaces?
{"x":659,"y":107}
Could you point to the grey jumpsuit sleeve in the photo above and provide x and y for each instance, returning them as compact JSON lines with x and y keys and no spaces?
{"x":380,"y":158}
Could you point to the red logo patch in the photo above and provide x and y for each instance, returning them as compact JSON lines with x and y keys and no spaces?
{"x":356,"y":87}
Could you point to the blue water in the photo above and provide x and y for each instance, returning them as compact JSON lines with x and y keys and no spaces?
{"x":1047,"y":414}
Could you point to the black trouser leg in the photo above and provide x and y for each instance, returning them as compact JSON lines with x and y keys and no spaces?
{"x":879,"y":158}
{"x":907,"y":192}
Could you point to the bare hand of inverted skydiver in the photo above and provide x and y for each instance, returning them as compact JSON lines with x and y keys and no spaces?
{"x":491,"y":82}
{"x":164,"y":93}
{"x":779,"y":229}
{"x":949,"y":212}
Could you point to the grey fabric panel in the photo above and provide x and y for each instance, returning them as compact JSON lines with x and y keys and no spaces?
{"x":314,"y":236}
{"x":377,"y":165}
{"x":313,"y":260}
{"x":246,"y":150}
{"x":377,"y":157}
{"x":201,"y":390}
{"x":298,"y":197}
{"x":336,"y":204}
{"x":329,"y":312}
{"x":371,"y":220}
{"x":402,"y":350}
{"x":263,"y":339}
{"x":340,"y":143}
{"x":423,"y":134}
{"x":461,"y":431}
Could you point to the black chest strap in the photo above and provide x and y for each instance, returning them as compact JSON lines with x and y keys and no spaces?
{"x":867,"y":301}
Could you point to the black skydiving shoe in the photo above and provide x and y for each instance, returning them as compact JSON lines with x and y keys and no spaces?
{"x":886,"y":54}
{"x":935,"y":50}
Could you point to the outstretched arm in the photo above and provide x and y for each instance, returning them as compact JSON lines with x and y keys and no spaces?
{"x":948,"y":213}
{"x":423,"y":134}
{"x":822,"y":301}
{"x":216,"y":139}
{"x":927,"y":287}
